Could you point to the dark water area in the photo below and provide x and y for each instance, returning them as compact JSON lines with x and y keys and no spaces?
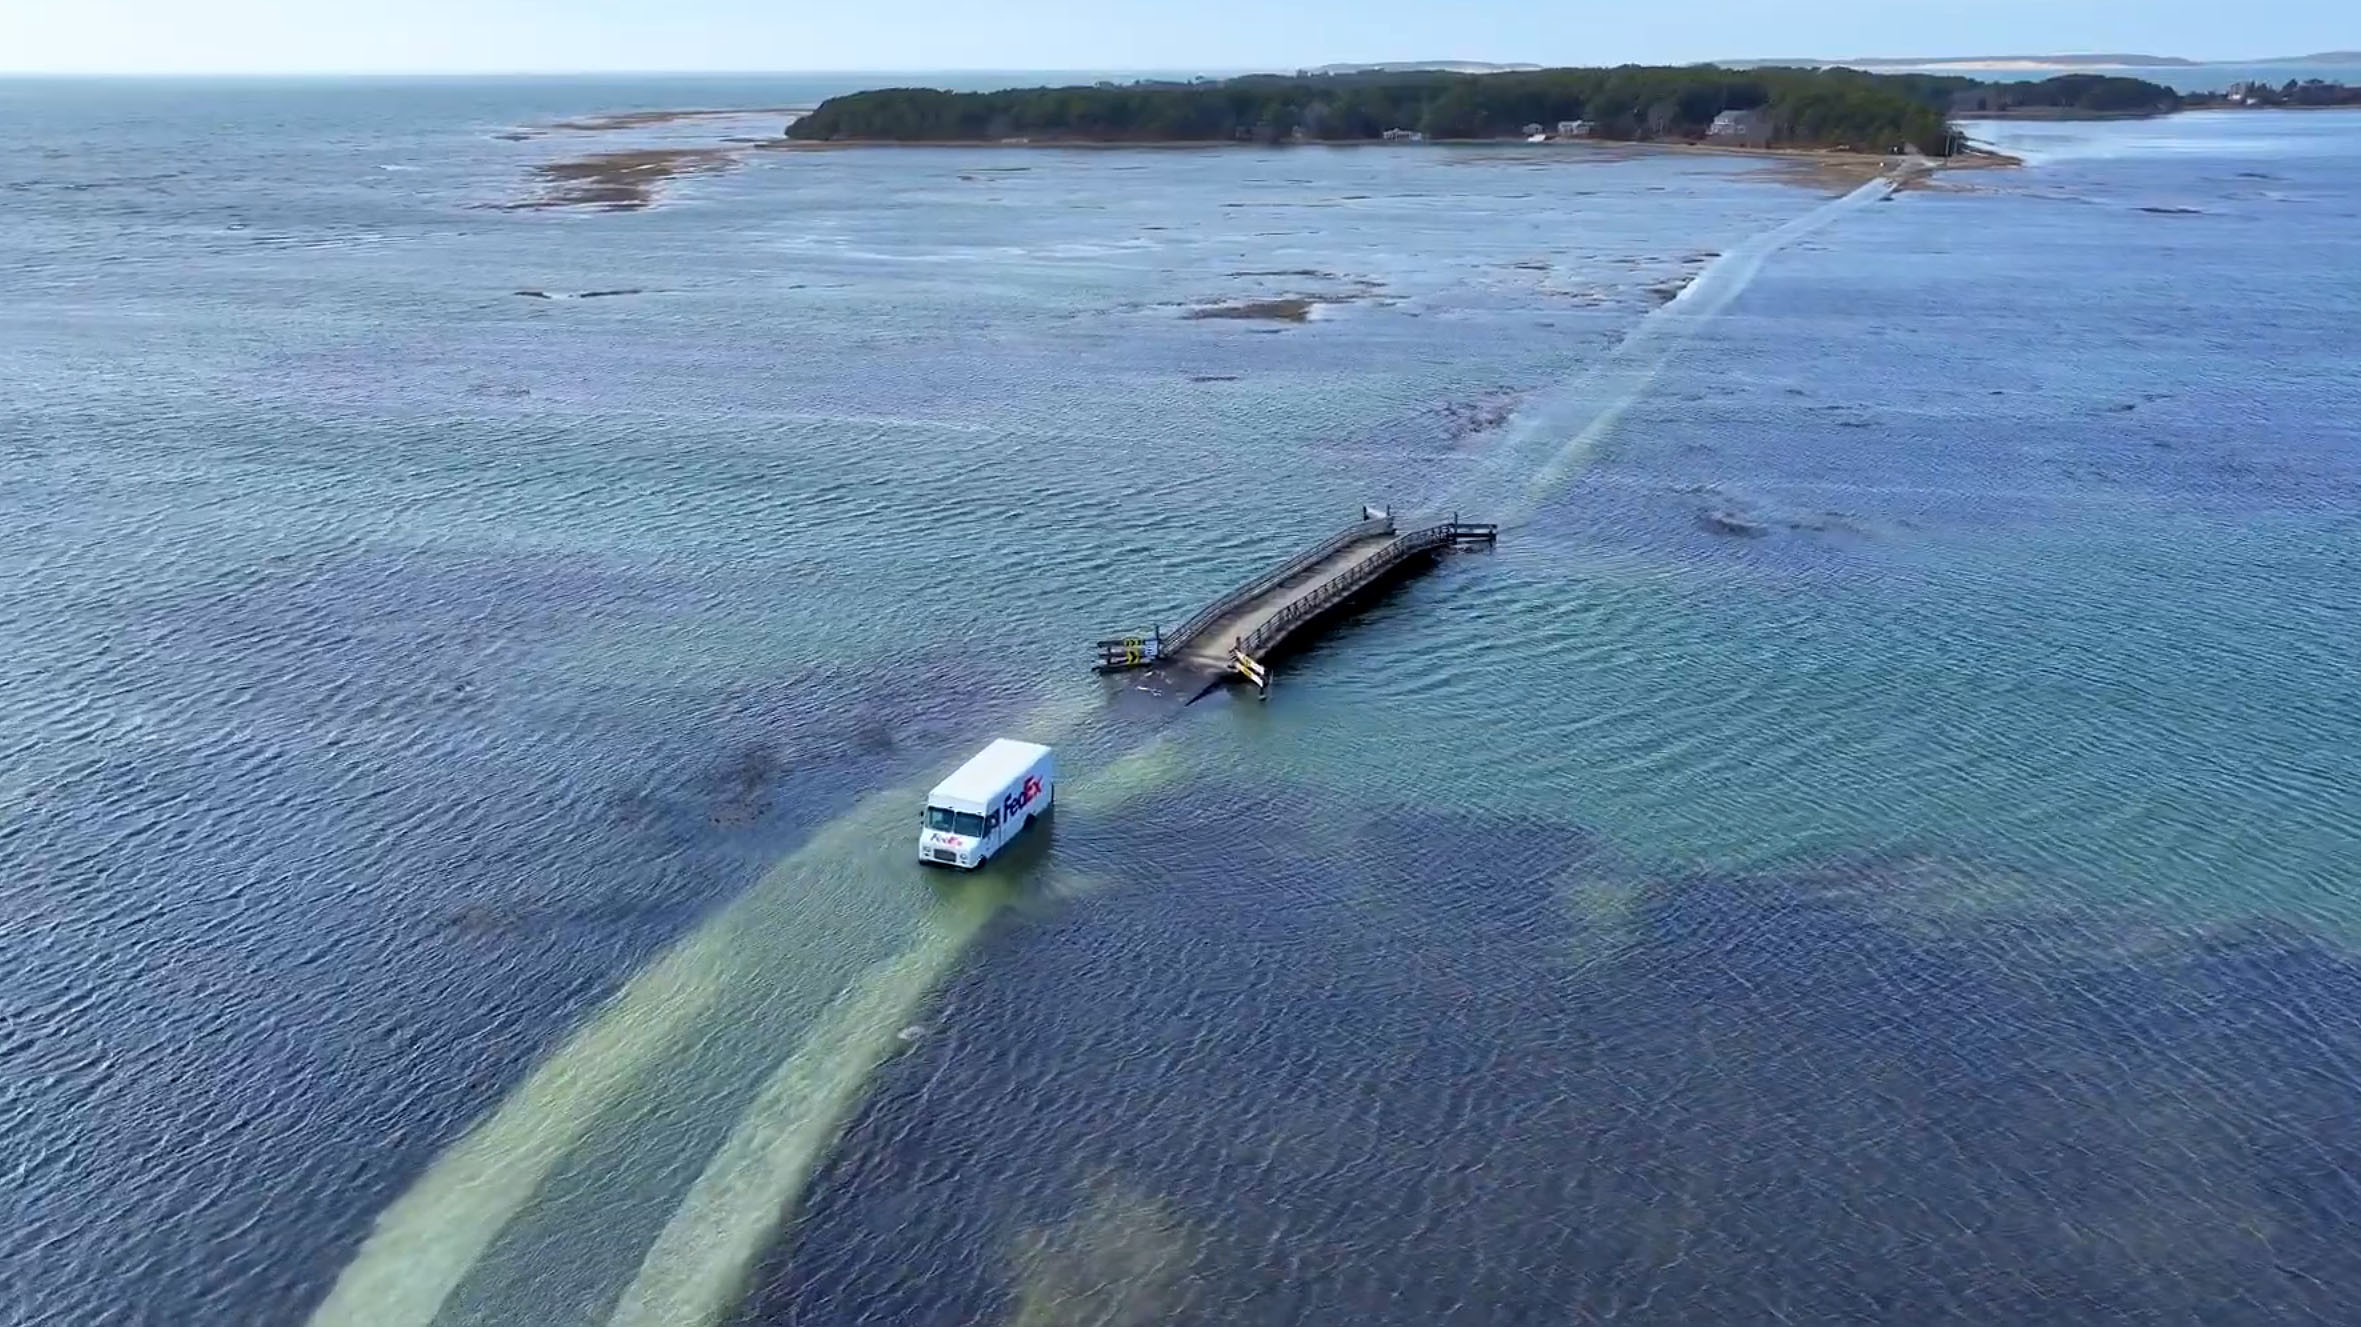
{"x":1876,"y":840}
{"x":1433,"y":1068}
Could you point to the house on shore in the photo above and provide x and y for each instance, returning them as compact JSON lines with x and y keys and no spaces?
{"x":1741,"y":128}
{"x":1574,"y":128}
{"x":1403,"y":136}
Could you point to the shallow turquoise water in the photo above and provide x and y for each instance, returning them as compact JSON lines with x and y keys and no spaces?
{"x":1644,"y":917}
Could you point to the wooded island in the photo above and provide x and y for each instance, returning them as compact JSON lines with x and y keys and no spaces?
{"x":1827,"y":109}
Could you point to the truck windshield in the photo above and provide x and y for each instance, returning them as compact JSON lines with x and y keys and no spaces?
{"x":968,"y":823}
{"x":938,"y":819}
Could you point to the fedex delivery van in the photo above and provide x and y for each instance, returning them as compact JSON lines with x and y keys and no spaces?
{"x":985,"y":803}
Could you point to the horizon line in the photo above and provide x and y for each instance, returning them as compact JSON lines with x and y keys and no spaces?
{"x":844,"y":71}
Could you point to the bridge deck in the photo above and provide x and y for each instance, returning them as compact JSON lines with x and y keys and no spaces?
{"x":1212,"y":649}
{"x":1234,"y":635}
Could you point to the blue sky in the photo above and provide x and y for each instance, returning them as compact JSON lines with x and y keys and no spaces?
{"x":296,"y":36}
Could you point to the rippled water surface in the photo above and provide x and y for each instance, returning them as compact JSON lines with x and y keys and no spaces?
{"x":1875,"y":843}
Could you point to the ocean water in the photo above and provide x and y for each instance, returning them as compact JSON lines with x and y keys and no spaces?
{"x":1875,"y":843}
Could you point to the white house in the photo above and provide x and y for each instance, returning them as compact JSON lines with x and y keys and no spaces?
{"x":1744,"y":128}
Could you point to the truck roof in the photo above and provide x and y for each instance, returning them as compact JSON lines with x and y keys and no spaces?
{"x":987,"y":773}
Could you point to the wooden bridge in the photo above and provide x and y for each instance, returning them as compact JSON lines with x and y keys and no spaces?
{"x":1237,"y":634}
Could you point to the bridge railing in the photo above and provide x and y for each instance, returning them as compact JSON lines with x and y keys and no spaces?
{"x":1276,"y":577}
{"x":1450,"y":533}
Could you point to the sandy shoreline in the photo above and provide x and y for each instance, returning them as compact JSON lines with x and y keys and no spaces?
{"x":1812,"y":167}
{"x":1831,"y":158}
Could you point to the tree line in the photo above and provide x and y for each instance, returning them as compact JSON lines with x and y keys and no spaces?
{"x":1819,"y":108}
{"x":2310,"y":92}
{"x":2089,"y":94}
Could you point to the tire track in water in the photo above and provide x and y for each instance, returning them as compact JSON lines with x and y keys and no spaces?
{"x":445,"y":1230}
{"x":697,"y":1267}
{"x":1563,"y":427}
{"x":435,"y":1255}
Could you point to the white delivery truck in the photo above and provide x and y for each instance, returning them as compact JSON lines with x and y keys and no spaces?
{"x":985,"y":803}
